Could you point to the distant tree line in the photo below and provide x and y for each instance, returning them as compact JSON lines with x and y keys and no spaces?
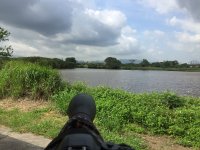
{"x":68,"y":63}
{"x":56,"y":63}
{"x":114,"y":63}
{"x":162,"y":65}
{"x":109,"y":63}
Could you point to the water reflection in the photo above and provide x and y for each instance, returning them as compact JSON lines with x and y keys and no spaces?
{"x":184,"y":83}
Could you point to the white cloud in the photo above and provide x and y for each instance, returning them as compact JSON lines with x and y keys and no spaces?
{"x":94,"y":28}
{"x":161,"y":6}
{"x":185,"y":24}
{"x":154,"y":33}
{"x":153,"y":39}
{"x":113,"y":18}
{"x":188,"y":38}
{"x":128,"y":44}
{"x":128,"y":31}
{"x":24,"y":49}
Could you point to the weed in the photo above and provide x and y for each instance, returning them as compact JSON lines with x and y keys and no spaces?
{"x":158,"y":113}
{"x":22,"y":79}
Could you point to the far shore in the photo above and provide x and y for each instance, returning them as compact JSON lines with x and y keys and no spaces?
{"x":164,"y":69}
{"x":150,"y":69}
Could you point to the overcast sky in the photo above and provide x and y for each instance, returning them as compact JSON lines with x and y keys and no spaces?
{"x":95,"y":29}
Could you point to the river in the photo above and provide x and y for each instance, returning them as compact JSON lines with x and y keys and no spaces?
{"x":183,"y":83}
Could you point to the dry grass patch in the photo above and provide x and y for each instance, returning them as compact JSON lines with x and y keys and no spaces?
{"x":36,"y":117}
{"x":162,"y":143}
{"x":23,"y":104}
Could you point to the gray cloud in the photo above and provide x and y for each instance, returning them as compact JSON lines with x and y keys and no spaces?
{"x":46,"y":17}
{"x":192,"y":7}
{"x":62,"y":17}
{"x":88,"y":31}
{"x":63,"y":28}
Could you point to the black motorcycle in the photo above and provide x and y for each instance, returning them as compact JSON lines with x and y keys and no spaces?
{"x":79,"y":133}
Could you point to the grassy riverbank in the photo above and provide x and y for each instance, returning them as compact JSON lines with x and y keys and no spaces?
{"x":155,"y":113}
{"x":48,"y":122}
{"x":120,"y":114}
{"x":193,"y":69}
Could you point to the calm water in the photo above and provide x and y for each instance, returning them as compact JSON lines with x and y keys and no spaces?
{"x":184,"y":83}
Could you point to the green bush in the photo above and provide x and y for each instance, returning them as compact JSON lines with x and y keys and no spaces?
{"x":23,"y":79}
{"x":159,"y":113}
{"x":172,"y":100}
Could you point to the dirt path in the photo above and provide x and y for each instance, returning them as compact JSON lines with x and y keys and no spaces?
{"x":162,"y":143}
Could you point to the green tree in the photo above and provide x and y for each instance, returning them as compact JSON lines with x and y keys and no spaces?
{"x":145,"y":63}
{"x":70,"y":62}
{"x":167,"y":64}
{"x":6,"y":50}
{"x":156,"y":64}
{"x":185,"y":65}
{"x":175,"y":63}
{"x":112,"y":63}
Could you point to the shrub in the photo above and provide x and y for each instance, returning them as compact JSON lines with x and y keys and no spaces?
{"x":20,"y":79}
{"x":171,"y":100}
{"x":158,"y":113}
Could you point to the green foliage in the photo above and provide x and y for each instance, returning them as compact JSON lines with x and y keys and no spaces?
{"x":47,"y":62}
{"x":32,"y":121}
{"x":70,"y":62}
{"x":63,"y":98}
{"x":145,"y":63}
{"x":6,"y":50}
{"x":22,"y":79}
{"x":159,"y":113}
{"x":128,"y":137}
{"x":167,"y":64}
{"x":4,"y":34}
{"x":3,"y":61}
{"x":172,"y":101}
{"x":57,"y":63}
{"x":112,"y":63}
{"x":35,"y":121}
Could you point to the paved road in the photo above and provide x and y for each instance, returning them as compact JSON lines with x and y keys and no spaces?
{"x":8,"y":143}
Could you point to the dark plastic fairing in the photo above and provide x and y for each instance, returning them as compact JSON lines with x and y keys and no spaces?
{"x":79,"y":142}
{"x":84,"y":105}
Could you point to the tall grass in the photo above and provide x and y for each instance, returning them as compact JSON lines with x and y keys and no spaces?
{"x":19,"y":79}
